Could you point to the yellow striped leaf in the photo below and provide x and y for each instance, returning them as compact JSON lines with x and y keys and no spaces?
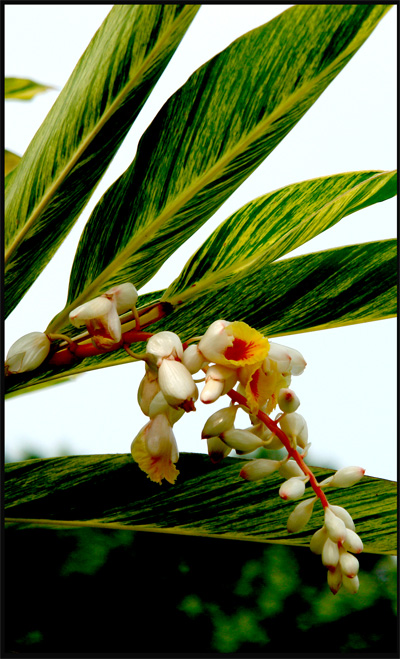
{"x":273,"y":225}
{"x":82,"y":132}
{"x":328,"y":289}
{"x":21,"y":89}
{"x":209,"y":137}
{"x":109,"y":491}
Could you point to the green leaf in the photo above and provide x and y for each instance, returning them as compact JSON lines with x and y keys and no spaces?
{"x":209,"y":137}
{"x":11,"y":160}
{"x":82,"y":132}
{"x":21,"y":89}
{"x":333,"y":288}
{"x":275,"y":224}
{"x":109,"y":491}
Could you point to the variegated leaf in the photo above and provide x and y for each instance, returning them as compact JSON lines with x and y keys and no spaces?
{"x":209,"y":137}
{"x":327,"y":289}
{"x":109,"y":491}
{"x":273,"y":225}
{"x":82,"y":132}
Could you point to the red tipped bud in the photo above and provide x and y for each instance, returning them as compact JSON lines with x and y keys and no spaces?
{"x":347,"y":476}
{"x":255,"y":470}
{"x":288,"y":401}
{"x":292,"y":489}
{"x":300,"y":516}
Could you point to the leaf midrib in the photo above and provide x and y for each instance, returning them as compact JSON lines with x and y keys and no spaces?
{"x":136,"y":243}
{"x":46,"y":199}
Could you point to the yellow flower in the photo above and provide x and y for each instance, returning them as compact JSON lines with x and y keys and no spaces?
{"x":233,"y":344}
{"x":262,"y":385}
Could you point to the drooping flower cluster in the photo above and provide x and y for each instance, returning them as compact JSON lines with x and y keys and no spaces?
{"x":256,"y":374}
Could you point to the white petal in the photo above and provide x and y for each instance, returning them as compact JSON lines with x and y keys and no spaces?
{"x":99,"y":306}
{"x":193,"y":359}
{"x":176,"y":382}
{"x":124,"y":295}
{"x":215,"y":340}
{"x":164,"y":345}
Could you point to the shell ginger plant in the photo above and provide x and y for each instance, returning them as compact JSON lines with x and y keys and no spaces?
{"x":216,"y":319}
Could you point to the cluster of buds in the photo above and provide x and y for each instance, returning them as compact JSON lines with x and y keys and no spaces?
{"x":230,"y":355}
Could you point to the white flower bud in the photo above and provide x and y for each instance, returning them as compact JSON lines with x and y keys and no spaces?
{"x":344,"y":516}
{"x":335,"y":579}
{"x":351,"y":585}
{"x":290,"y":468}
{"x":220,"y":422}
{"x":353,"y":542}
{"x":124,"y":295}
{"x":193,"y":359}
{"x":160,"y":406}
{"x":27,"y":353}
{"x":287,"y":359}
{"x":318,"y":540}
{"x":217,"y":450}
{"x":165,"y":345}
{"x":347,"y":476}
{"x":215,"y":340}
{"x":330,"y":554}
{"x":292,"y":489}
{"x":280,"y":355}
{"x":295,"y":427}
{"x":176,"y":383}
{"x":300,"y":516}
{"x":335,"y":527}
{"x":219,"y":380}
{"x":288,"y":400}
{"x":254,"y":470}
{"x":349,"y":564}
{"x":241,"y":440}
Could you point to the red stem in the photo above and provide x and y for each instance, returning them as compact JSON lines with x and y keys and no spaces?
{"x":273,"y":427}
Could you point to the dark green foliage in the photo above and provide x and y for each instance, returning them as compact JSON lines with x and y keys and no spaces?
{"x":92,"y":591}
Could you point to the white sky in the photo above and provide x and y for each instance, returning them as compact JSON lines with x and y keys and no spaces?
{"x":348,"y":391}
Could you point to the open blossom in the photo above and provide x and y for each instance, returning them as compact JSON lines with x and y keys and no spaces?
{"x":233,"y":344}
{"x":155,"y":450}
{"x":27,"y":353}
{"x":262,"y":383}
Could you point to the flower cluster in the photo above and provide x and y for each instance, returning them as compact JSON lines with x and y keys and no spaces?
{"x":256,"y":373}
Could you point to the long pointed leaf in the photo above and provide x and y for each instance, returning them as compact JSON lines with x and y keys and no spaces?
{"x":209,"y":137}
{"x":109,"y":491}
{"x":273,"y":225}
{"x":82,"y":132}
{"x":327,"y":289}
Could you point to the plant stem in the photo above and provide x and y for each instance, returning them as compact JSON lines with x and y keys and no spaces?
{"x":293,"y":453}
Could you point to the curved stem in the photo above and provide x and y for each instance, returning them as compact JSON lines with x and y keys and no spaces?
{"x":293,"y":453}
